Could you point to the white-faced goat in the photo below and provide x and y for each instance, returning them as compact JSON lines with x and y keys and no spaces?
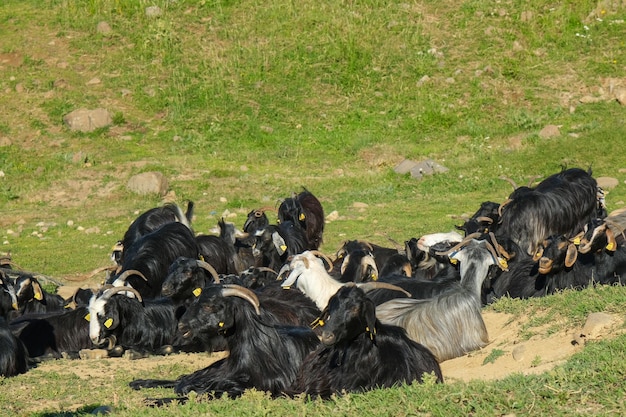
{"x":359,"y":353}
{"x":263,"y":355}
{"x":306,"y":272}
{"x":119,"y":316}
{"x":449,"y":324}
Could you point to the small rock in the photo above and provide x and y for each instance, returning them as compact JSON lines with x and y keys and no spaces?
{"x":358,"y":204}
{"x":332,"y":216}
{"x":153,"y":11}
{"x":94,"y":81}
{"x":404,"y":167}
{"x":223,"y":200}
{"x":550,"y":131}
{"x":103,"y":27}
{"x":526,"y":16}
{"x":589,"y":99}
{"x":85,"y":120}
{"x":148,"y":183}
{"x":595,"y":323}
{"x":607,"y":183}
{"x":519,"y":352}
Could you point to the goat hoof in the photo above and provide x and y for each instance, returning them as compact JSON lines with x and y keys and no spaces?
{"x":166,"y":350}
{"x":116,"y":351}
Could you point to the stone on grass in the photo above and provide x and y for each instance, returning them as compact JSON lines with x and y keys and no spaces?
{"x":85,"y":120}
{"x":607,"y":183}
{"x":550,"y":131}
{"x":148,"y":183}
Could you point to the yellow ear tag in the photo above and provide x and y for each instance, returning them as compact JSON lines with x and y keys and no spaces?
{"x":88,"y":317}
{"x":197,"y":292}
{"x":503,"y":263}
{"x":454,"y":261}
{"x":221,"y":324}
{"x":610,"y":246}
{"x":38,"y":296}
{"x":108,"y":323}
{"x":374,"y":277}
{"x":321,"y":323}
{"x":283,"y":247}
{"x":576,"y":241}
{"x":301,"y":217}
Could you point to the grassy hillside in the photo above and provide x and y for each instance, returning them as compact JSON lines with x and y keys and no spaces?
{"x":241,"y":103}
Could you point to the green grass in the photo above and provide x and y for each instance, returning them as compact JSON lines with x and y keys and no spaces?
{"x":240,"y":103}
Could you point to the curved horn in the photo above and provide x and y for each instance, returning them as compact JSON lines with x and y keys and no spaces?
{"x":324,"y":257}
{"x":369,"y":286}
{"x":510,"y":181}
{"x":369,"y":261}
{"x":498,"y":247}
{"x":460,"y":244}
{"x":484,"y":219}
{"x":501,"y":207}
{"x":122,"y":277}
{"x":265,"y":269}
{"x":232,"y":290}
{"x":208,"y":267}
{"x":110,"y":292}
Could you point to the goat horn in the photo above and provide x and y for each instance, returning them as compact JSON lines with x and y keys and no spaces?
{"x":129,"y":272}
{"x":110,"y":292}
{"x":367,"y":244}
{"x":460,"y":244}
{"x":324,"y":257}
{"x":369,"y":286}
{"x":265,"y":269}
{"x":510,"y":181}
{"x":503,"y":266}
{"x":501,"y":207}
{"x":232,"y":290}
{"x":484,"y":219}
{"x":369,"y":260}
{"x":208,"y":267}
{"x":501,"y":251}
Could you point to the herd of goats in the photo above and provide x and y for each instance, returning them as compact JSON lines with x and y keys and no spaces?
{"x":293,"y":320}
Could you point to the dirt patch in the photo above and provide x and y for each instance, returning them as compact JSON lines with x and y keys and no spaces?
{"x":511,"y":351}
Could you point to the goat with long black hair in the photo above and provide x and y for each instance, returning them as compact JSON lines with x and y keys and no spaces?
{"x":263,"y":355}
{"x":359,"y":353}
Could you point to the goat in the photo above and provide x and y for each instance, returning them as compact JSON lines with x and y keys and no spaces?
{"x":125,"y":320}
{"x":31,"y":297}
{"x":425,"y":263}
{"x":359,"y":353}
{"x":484,"y":220}
{"x":358,"y":266}
{"x":305,"y":211}
{"x":14,"y":357}
{"x":262,"y":355}
{"x":449,"y":324}
{"x":306,"y":271}
{"x":148,"y":222}
{"x":8,"y":299}
{"x":152,"y":254}
{"x":560,"y":204}
{"x":54,"y":335}
{"x":379,"y":253}
{"x":275,"y":243}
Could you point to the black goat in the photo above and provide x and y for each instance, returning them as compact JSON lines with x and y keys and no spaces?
{"x":54,"y":335}
{"x":32,"y":298}
{"x":13,"y":354}
{"x":152,"y":254}
{"x":119,"y":316}
{"x":305,"y":211}
{"x":262,"y":355}
{"x":484,"y":220}
{"x":8,"y":299}
{"x":563,"y":204}
{"x":380,"y":253}
{"x":359,"y":353}
{"x":357,"y":266}
{"x":148,"y":222}
{"x":276,"y":243}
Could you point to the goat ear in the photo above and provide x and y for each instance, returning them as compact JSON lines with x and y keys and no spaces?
{"x":370,"y":318}
{"x":611,"y":242}
{"x":279,"y":243}
{"x":571,"y":255}
{"x":38,"y":291}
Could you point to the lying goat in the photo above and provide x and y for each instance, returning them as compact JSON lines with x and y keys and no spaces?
{"x":359,"y":353}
